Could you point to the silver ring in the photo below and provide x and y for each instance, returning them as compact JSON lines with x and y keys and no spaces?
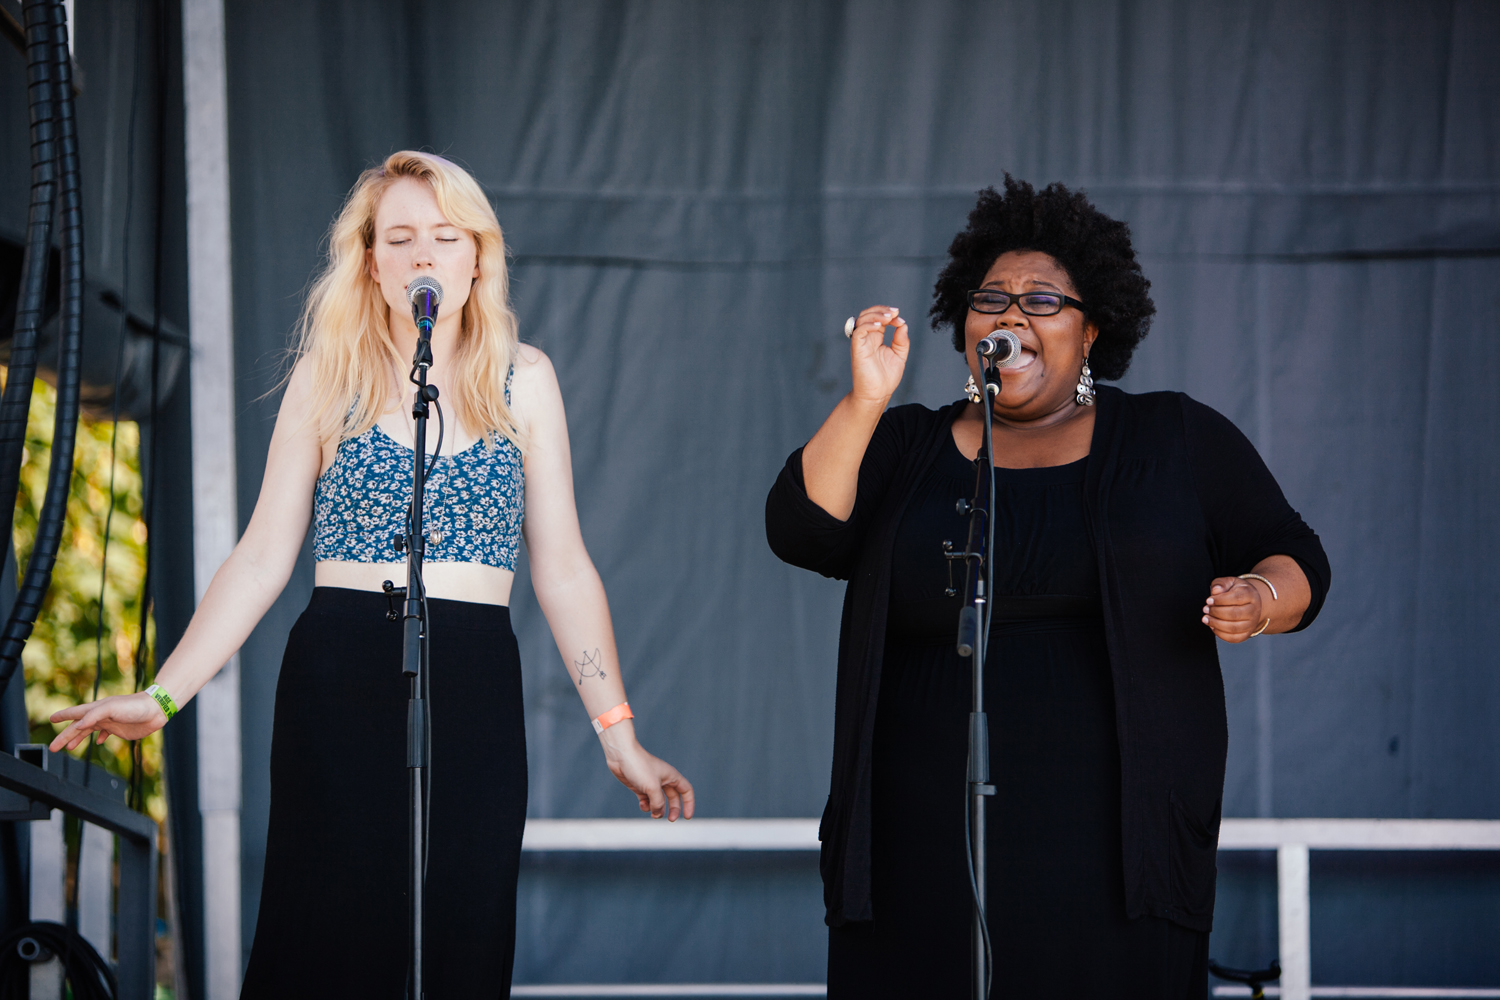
{"x":849,"y":327}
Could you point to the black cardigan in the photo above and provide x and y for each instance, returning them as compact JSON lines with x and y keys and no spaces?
{"x":1176,"y":496}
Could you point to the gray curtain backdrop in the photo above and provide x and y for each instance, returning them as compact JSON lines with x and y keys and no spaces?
{"x":698,"y":194}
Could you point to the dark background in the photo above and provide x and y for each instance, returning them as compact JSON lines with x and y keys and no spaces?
{"x":696,"y":195}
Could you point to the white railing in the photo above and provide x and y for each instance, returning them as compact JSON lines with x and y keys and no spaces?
{"x":592,"y":990}
{"x":1291,"y":839}
{"x":684,"y":835}
{"x":1374,"y":992}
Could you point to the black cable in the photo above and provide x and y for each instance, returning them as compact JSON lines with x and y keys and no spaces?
{"x":983,"y":474}
{"x":421,"y":597}
{"x":984,"y":924}
{"x":427,"y":467}
{"x":90,"y":976}
{"x":426,"y":673}
{"x":70,"y":357}
{"x":15,"y":405}
{"x":981,"y":510}
{"x":51,"y":521}
{"x":143,"y":651}
{"x":121,"y":333}
{"x":432,"y":464}
{"x":990,"y":508}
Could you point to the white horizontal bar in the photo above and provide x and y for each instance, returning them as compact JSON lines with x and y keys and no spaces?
{"x":802,"y":834}
{"x":1371,"y":992}
{"x":819,"y":990}
{"x":673,"y":990}
{"x":659,"y":835}
{"x":1361,"y":834}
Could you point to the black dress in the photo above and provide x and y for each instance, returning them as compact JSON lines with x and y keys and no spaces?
{"x":1056,"y":882}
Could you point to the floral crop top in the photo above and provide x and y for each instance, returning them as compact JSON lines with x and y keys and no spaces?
{"x":473,"y":505}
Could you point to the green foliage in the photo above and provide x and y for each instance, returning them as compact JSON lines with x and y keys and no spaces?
{"x":61,"y":655}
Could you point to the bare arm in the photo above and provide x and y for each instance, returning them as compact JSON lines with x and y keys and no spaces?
{"x":243,"y":588}
{"x":1237,"y":607}
{"x":831,"y":460}
{"x":571,"y":594}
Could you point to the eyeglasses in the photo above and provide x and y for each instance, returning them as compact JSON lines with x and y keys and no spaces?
{"x":991,"y":300}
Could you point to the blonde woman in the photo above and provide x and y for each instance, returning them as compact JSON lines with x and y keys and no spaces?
{"x":333,"y":918}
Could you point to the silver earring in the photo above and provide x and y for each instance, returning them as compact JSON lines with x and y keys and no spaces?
{"x":972,"y":391}
{"x":1085,"y":395}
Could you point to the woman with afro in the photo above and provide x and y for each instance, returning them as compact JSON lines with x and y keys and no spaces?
{"x":1131,"y":531}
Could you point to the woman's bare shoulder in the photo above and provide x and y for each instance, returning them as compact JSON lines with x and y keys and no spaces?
{"x":299,"y":393}
{"x":534,"y":374}
{"x":531,"y":360}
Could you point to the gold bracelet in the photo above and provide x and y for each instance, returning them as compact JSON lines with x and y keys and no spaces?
{"x":1268,"y":583}
{"x":1263,"y":626}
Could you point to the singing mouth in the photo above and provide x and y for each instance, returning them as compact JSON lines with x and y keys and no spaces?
{"x":1027,"y":357}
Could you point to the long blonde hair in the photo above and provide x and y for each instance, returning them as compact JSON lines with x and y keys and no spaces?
{"x":344,"y":334}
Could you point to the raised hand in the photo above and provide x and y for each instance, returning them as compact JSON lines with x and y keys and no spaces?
{"x":830,"y":461}
{"x":876,"y":365}
{"x":131,"y":716}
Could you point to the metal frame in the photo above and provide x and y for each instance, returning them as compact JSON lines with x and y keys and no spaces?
{"x":658,"y":990}
{"x":684,"y":835}
{"x":215,"y":517}
{"x":1291,"y":839}
{"x":136,"y":913}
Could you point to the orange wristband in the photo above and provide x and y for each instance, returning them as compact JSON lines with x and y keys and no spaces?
{"x":617,"y":714}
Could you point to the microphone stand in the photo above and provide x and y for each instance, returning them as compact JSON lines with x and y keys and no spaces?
{"x":414,"y":652}
{"x":973,"y":639}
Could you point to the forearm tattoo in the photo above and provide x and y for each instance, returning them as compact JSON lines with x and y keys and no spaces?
{"x":590,"y":666}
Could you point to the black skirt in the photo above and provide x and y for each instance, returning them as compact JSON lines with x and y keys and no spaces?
{"x":333,"y":906}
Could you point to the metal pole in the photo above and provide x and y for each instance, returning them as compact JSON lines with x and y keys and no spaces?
{"x":979,"y":729}
{"x":973,"y":636}
{"x":979,"y":790}
{"x":414,"y":657}
{"x":1293,"y":923}
{"x":135,"y":918}
{"x":215,"y":515}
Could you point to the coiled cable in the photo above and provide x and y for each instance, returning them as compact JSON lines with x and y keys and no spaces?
{"x":50,"y":522}
{"x":90,"y":976}
{"x":15,"y":405}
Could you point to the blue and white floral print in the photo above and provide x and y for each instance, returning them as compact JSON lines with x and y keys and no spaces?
{"x":473,"y":506}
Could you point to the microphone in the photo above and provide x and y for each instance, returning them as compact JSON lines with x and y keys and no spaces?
{"x":1002,"y":347}
{"x":425,"y":295}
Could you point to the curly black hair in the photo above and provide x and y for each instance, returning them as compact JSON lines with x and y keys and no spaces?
{"x":1094,"y":249}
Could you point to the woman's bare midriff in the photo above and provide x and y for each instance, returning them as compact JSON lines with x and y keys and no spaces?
{"x":452,"y":581}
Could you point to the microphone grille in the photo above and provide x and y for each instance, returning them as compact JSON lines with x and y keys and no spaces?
{"x":424,"y":283}
{"x":1009,"y":354}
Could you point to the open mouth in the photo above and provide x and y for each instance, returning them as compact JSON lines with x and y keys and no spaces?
{"x":1027,"y":357}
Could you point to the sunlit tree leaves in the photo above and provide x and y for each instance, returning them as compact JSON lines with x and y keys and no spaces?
{"x":68,"y":644}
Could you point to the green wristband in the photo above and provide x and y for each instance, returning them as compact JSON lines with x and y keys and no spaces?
{"x":163,"y":699}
